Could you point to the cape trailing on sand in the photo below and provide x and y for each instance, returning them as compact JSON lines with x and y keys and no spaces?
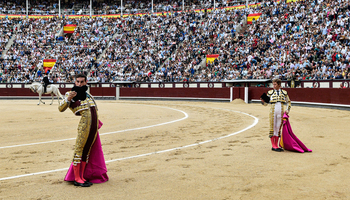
{"x":288,"y":140}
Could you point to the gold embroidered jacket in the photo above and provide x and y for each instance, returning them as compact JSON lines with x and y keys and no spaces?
{"x":279,"y":96}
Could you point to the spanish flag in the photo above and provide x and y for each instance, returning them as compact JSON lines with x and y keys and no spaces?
{"x":48,"y":64}
{"x":254,"y":5}
{"x":212,"y":57}
{"x":69,"y":28}
{"x":253,"y":16}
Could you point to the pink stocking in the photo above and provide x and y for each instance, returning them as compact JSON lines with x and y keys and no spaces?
{"x":83,"y":164}
{"x":77,"y":173}
{"x":273,"y":142}
{"x":276,"y":141}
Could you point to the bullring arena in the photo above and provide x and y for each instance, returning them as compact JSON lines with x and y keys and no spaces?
{"x":175,"y":150}
{"x":177,"y":85}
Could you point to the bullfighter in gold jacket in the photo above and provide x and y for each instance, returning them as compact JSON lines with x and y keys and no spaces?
{"x":277,"y":98}
{"x":81,"y":103}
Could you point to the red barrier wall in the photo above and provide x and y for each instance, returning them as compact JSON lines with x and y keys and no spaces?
{"x":64,"y":90}
{"x":316,"y":95}
{"x":5,"y":92}
{"x":103,"y":91}
{"x":176,"y":92}
{"x":95,"y":91}
{"x":237,"y":93}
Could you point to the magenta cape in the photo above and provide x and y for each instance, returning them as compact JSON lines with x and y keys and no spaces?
{"x":96,"y":170}
{"x":289,"y":141}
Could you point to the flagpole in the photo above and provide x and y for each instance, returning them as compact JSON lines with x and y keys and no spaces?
{"x":152,"y":7}
{"x":90,"y":8}
{"x":121,"y":8}
{"x":59,"y":8}
{"x":27,"y":8}
{"x":183,"y":6}
{"x":214,"y":5}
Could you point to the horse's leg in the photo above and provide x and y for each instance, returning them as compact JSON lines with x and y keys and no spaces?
{"x":52,"y":98}
{"x":58,"y":97}
{"x":39,"y":98}
{"x":42,"y":101}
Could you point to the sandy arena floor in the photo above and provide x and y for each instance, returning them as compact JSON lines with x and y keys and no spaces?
{"x":239,"y":166}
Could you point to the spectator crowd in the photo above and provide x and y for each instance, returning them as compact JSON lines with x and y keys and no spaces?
{"x":303,"y":40}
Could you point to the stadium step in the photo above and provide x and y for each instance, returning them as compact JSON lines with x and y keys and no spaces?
{"x":108,"y":44}
{"x":179,"y":45}
{"x":10,"y":42}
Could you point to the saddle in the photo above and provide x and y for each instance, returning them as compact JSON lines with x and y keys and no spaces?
{"x":47,"y":87}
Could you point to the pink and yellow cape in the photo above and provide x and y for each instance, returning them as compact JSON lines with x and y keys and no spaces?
{"x":288,"y":140}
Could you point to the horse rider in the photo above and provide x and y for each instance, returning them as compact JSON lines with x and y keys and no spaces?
{"x":46,"y":82}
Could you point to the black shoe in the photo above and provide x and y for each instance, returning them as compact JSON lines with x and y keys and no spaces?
{"x":278,"y":150}
{"x":87,"y":182}
{"x":81,"y":184}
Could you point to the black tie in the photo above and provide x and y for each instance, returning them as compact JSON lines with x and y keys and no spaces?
{"x":278,"y":92}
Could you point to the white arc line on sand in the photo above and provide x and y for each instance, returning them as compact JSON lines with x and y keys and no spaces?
{"x":132,"y":129}
{"x":256,"y":120}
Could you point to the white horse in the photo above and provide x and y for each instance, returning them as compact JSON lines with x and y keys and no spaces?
{"x":50,"y":89}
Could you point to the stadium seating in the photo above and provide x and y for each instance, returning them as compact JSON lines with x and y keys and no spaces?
{"x":305,"y":40}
